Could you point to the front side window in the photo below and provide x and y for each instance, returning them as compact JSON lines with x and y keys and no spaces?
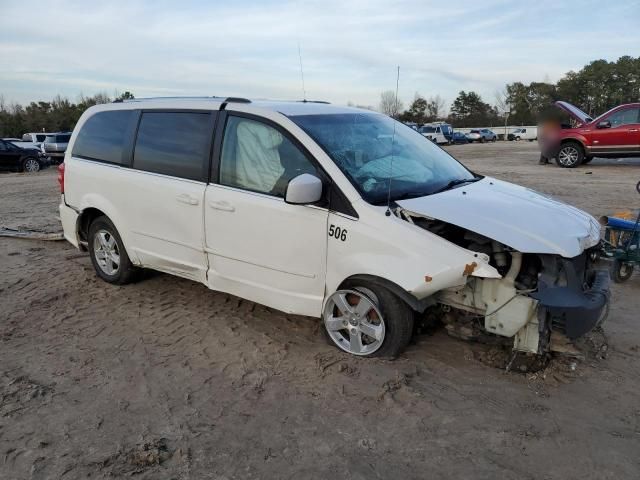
{"x":63,"y":138}
{"x":257,"y":157}
{"x":174,"y":143}
{"x":377,"y":153}
{"x":39,"y":138}
{"x":624,"y":117}
{"x":103,"y":136}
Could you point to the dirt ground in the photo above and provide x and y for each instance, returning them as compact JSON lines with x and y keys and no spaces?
{"x":166,"y":379}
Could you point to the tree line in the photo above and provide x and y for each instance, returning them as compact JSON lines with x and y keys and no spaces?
{"x":595,"y":88}
{"x":59,"y":115}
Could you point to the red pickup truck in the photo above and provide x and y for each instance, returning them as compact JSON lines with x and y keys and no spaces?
{"x":613,"y":134}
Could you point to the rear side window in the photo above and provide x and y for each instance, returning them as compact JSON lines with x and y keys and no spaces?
{"x":104,"y":135}
{"x":174,"y":143}
{"x":63,"y":138}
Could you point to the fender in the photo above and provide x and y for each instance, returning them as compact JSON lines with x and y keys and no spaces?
{"x":92,"y":200}
{"x":418,"y":305}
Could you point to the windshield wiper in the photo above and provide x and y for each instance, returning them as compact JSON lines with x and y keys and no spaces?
{"x":455,"y":183}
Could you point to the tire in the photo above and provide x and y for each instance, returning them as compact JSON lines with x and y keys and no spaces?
{"x":586,"y":160}
{"x":386,"y":316}
{"x":481,"y":139}
{"x":570,"y":155}
{"x":30,"y":165}
{"x":105,"y":245}
{"x":517,"y":139}
{"x":621,"y":271}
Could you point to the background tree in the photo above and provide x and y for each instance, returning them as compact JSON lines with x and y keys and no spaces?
{"x":58,"y":115}
{"x":435,"y":108}
{"x":417,"y":110}
{"x":389,"y":104}
{"x":468,"y":110}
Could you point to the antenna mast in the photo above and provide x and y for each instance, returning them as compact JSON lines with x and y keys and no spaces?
{"x":393,"y":141}
{"x":304,"y":92}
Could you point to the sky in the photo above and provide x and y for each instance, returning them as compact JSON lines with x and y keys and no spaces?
{"x":349,"y":49}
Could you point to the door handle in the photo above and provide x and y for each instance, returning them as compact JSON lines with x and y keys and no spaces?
{"x":186,"y":198}
{"x":222,"y":205}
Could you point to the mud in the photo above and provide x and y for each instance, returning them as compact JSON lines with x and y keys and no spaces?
{"x":166,"y":379}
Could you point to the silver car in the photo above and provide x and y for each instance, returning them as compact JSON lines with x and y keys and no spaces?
{"x":482,"y":135}
{"x":54,"y":146}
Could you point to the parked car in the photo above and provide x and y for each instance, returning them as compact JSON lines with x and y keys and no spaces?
{"x":459,"y":138}
{"x":19,"y":159}
{"x":482,"y":135}
{"x":439,"y":133}
{"x":614,"y":134}
{"x":522,"y":134}
{"x":290,"y":205}
{"x":34,"y":137}
{"x":55,"y":144}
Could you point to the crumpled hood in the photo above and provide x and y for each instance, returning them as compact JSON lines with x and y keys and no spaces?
{"x":513,"y":215}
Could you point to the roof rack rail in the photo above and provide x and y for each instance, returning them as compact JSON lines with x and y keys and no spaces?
{"x":119,"y":100}
{"x":236,"y":100}
{"x":314,"y":101}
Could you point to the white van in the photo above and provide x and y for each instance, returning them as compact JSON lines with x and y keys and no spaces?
{"x":329,"y":212}
{"x":440,"y":133}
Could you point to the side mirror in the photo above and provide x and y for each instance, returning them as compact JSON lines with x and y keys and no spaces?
{"x":604,"y":124}
{"x":303,"y":190}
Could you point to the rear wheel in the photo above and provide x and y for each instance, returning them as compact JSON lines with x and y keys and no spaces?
{"x":570,"y":155}
{"x":107,"y":252}
{"x":368,"y":320}
{"x":30,"y":165}
{"x":621,"y":271}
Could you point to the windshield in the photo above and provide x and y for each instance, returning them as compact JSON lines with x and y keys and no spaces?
{"x":363,"y":146}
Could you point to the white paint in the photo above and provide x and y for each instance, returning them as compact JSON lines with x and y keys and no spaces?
{"x":516,"y":216}
{"x":259,"y":247}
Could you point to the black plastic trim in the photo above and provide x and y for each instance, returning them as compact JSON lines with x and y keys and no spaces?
{"x":416,"y":304}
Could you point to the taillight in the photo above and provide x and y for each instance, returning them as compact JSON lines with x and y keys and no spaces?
{"x":61,"y":177}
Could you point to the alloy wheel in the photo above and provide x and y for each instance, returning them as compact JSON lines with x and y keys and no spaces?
{"x":105,"y":249}
{"x":568,"y":156}
{"x":354,"y":322}
{"x":31,"y":165}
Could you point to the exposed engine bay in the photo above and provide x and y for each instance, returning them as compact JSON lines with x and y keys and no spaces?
{"x":541,"y":303}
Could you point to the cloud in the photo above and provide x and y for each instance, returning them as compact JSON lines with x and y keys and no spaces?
{"x":350,"y":49}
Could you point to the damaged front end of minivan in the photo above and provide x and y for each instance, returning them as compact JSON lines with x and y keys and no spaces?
{"x":551,"y":289}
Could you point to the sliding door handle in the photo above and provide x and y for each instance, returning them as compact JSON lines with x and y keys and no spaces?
{"x":188,"y":199}
{"x":222,"y":205}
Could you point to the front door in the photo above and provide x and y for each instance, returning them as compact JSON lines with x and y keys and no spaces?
{"x":9,"y":156}
{"x":622,"y":137}
{"x":260,"y":247}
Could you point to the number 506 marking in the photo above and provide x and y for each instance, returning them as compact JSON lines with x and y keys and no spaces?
{"x":337,"y":232}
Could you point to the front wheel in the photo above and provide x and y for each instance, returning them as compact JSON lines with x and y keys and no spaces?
{"x":621,"y":271}
{"x":30,"y":165}
{"x":107,"y":252}
{"x":570,"y":155}
{"x":368,"y":320}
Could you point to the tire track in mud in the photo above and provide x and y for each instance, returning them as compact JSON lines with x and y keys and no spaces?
{"x":164,"y":378}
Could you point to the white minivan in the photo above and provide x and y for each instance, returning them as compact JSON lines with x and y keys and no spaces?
{"x":331,"y":212}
